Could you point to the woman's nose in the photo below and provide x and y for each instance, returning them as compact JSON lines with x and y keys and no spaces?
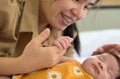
{"x":78,"y":12}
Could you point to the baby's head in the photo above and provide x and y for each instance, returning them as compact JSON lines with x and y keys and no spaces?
{"x":103,"y":66}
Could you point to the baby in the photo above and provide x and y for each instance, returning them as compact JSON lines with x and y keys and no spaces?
{"x":101,"y":66}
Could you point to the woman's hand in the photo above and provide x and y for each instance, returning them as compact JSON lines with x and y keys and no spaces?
{"x":113,"y":48}
{"x":35,"y":56}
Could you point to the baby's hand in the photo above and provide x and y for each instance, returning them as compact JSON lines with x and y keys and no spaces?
{"x":63,"y":42}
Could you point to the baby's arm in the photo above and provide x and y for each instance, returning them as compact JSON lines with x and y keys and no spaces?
{"x":63,"y":42}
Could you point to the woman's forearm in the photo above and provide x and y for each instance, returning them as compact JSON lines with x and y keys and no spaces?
{"x":10,"y":66}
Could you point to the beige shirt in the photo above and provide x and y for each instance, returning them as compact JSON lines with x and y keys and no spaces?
{"x":14,"y":37}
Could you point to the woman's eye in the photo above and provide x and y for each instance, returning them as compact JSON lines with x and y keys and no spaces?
{"x":88,"y":7}
{"x":77,"y":0}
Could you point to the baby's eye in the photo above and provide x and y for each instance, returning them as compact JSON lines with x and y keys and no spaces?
{"x":101,"y":58}
{"x":110,"y":72}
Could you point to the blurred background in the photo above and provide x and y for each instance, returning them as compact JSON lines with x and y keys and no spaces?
{"x":106,"y":16}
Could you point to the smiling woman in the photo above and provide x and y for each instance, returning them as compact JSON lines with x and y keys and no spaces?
{"x":59,"y":15}
{"x":24,"y":35}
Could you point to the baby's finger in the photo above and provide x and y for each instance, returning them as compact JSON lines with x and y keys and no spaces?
{"x":63,"y":43}
{"x":69,"y":41}
{"x":56,"y":43}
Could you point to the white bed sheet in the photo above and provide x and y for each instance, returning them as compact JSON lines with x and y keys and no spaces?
{"x":91,"y":40}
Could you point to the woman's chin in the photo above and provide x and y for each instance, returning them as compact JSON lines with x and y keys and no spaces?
{"x":61,"y":28}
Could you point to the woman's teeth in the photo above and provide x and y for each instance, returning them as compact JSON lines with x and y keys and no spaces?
{"x":67,"y":19}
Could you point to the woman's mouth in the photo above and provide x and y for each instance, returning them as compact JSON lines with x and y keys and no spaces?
{"x":67,"y":20}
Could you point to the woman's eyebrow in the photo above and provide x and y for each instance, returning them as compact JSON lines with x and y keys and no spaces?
{"x":92,"y":4}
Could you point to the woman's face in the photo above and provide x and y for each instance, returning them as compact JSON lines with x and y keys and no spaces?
{"x":103,"y":66}
{"x":61,"y":13}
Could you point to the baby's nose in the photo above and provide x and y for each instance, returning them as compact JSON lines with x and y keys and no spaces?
{"x":102,"y":66}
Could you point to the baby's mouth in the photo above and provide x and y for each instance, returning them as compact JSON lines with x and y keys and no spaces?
{"x":96,"y":68}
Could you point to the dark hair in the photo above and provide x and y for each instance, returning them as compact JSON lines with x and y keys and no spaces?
{"x":69,"y":31}
{"x":118,"y":59}
{"x":97,"y":1}
{"x":118,"y":77}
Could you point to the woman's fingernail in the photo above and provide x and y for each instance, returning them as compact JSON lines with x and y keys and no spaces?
{"x":47,"y":31}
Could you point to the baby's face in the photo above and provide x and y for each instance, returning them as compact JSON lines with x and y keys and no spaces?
{"x":103,"y":66}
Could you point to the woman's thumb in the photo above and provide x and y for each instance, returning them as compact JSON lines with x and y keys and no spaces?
{"x":44,"y":35}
